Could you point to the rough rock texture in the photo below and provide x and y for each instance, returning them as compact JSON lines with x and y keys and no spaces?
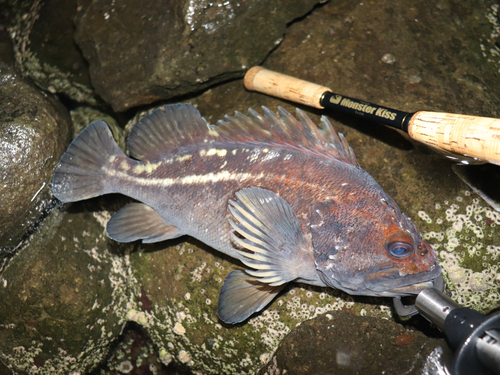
{"x":438,"y":56}
{"x":35,"y":130}
{"x":143,"y":52}
{"x":178,"y":287}
{"x":135,"y":354}
{"x":45,"y":49}
{"x":341,"y":343}
{"x":6,"y":47}
{"x":83,"y":116}
{"x":63,"y":296}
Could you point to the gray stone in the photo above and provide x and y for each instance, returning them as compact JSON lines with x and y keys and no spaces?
{"x":143,"y":52}
{"x":341,"y":343}
{"x":439,"y":62}
{"x":35,"y":130}
{"x":177,"y":289}
{"x":45,"y":49}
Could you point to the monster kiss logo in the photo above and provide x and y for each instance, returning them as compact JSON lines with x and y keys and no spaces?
{"x":362,"y":107}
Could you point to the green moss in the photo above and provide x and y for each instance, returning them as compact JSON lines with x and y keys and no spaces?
{"x":181,"y":285}
{"x":63,"y":297}
{"x":464,"y":232}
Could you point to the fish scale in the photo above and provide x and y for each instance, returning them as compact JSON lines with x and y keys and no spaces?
{"x":283,"y":197}
{"x":217,"y":187}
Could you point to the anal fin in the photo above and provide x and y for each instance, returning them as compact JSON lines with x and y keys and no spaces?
{"x":242,"y":295}
{"x":138,"y":221}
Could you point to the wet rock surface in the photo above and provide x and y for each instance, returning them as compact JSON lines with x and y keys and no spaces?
{"x":438,"y":56}
{"x":45,"y":49}
{"x":343,"y":343}
{"x":35,"y":130}
{"x":140,"y":53}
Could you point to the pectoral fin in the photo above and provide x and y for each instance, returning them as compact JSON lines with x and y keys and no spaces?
{"x":242,"y":295}
{"x":138,"y":221}
{"x":270,"y":234}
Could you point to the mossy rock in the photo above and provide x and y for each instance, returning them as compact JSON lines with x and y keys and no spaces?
{"x":177,"y":291}
{"x":63,"y":297}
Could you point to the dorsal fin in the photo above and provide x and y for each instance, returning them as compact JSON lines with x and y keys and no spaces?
{"x":178,"y":125}
{"x":287,"y":130}
{"x":165,"y":129}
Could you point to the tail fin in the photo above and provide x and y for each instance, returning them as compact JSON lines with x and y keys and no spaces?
{"x":81,"y":172}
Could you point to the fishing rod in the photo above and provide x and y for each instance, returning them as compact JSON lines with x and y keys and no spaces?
{"x":471,"y":136}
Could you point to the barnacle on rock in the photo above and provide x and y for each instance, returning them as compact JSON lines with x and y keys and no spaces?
{"x":465,"y":234}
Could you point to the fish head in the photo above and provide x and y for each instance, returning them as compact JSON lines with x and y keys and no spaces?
{"x":368,"y":247}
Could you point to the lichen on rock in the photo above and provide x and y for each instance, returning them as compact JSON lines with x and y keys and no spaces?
{"x":177,"y":290}
{"x":63,"y":297}
{"x":42,"y":33}
{"x":464,"y":231}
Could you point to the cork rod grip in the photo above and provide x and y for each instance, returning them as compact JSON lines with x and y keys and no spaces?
{"x":478,"y":137}
{"x":284,"y":87}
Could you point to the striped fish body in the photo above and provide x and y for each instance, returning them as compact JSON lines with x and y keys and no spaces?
{"x":282,"y":196}
{"x":191,"y":189}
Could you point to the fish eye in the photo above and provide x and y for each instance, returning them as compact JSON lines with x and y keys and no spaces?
{"x":399,"y":249}
{"x":400,"y":245}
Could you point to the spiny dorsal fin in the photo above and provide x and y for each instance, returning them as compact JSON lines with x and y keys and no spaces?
{"x":165,"y":129}
{"x":179,"y":125}
{"x":287,"y":130}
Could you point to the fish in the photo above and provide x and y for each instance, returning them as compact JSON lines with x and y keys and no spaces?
{"x":285,"y":198}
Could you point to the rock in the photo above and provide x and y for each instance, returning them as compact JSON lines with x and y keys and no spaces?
{"x":142,"y":53}
{"x":63,"y":296}
{"x":134,"y":354}
{"x":35,"y":130}
{"x":176,"y":289}
{"x":447,"y":70}
{"x":340,"y":342}
{"x":171,"y":289}
{"x":45,"y":49}
{"x":82,"y":116}
{"x":6,"y":47}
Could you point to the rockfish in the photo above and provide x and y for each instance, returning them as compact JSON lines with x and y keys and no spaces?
{"x":284,"y":197}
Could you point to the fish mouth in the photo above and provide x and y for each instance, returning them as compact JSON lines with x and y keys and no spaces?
{"x":389,"y":282}
{"x":406,"y":311}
